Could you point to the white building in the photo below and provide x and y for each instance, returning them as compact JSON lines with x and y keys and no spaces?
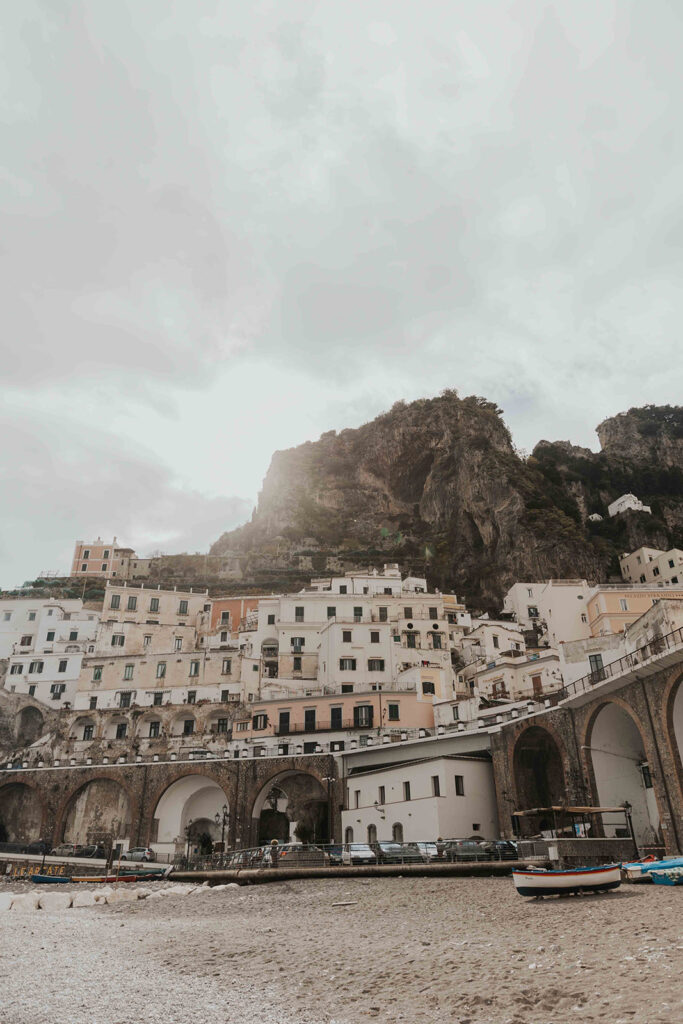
{"x":557,"y":607}
{"x":650,"y":565}
{"x":449,"y":796}
{"x":627,"y":503}
{"x":27,"y":622}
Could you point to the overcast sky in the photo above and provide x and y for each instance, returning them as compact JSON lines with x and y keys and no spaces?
{"x":228,"y":227}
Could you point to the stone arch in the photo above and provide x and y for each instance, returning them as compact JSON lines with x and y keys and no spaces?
{"x":372,"y":834}
{"x":348,"y":834}
{"x":79,"y":728}
{"x":100,"y":807}
{"x":538,"y":768}
{"x":185,"y":809}
{"x":142,"y":730}
{"x":178,"y":727}
{"x":22,"y":813}
{"x":673,"y":728}
{"x":397,"y":832}
{"x":299,"y":808}
{"x":621,"y":770}
{"x":29,"y":726}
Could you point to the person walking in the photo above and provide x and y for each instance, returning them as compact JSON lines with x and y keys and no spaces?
{"x":274,"y":853}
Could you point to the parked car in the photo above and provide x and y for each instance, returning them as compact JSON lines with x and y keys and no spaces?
{"x":398,"y":853}
{"x":500,"y":849}
{"x":358,"y":853}
{"x":40,"y":846}
{"x":429,"y":851}
{"x":143,"y":853}
{"x":64,"y":850}
{"x":465,"y":849}
{"x":97,"y":852}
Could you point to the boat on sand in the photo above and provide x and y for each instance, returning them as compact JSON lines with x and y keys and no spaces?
{"x":539,"y":882}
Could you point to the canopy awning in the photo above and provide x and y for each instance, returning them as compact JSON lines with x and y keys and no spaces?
{"x":568,"y":810}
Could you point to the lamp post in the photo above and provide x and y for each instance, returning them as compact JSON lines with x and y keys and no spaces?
{"x":628,"y":807}
{"x":222,"y":819}
{"x":329,"y":779}
{"x":188,"y":838}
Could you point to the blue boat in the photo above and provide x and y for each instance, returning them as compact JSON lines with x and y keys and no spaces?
{"x":667,"y":875}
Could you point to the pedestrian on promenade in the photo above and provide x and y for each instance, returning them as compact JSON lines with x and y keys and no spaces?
{"x":274,"y":853}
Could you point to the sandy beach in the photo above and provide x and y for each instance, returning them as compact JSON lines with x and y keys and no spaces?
{"x":463,"y":951}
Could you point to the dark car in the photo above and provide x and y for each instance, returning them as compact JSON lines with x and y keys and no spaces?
{"x":96,"y":852}
{"x":500,"y":849}
{"x":40,"y":846}
{"x":398,"y":853}
{"x":465,"y":849}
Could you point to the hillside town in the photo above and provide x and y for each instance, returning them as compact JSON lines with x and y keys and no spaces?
{"x":383,"y":709}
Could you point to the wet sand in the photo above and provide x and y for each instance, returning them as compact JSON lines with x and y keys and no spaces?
{"x":457,"y":950}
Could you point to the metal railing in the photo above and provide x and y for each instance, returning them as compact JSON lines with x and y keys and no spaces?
{"x":654,"y":649}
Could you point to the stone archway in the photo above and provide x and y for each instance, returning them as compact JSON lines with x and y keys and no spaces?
{"x":675,"y":726}
{"x":293,"y":806}
{"x":29,"y":726}
{"x":621,"y":772}
{"x":538,"y":770}
{"x":186,"y":811}
{"x":101,"y":807}
{"x":22,"y":814}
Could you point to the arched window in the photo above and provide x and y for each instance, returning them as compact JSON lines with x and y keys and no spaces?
{"x":372,"y":833}
{"x":348,"y":835}
{"x":397,"y":832}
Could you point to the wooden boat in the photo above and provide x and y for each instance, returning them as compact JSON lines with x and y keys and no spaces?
{"x":106,"y":878}
{"x":48,"y":879}
{"x":537,"y":882}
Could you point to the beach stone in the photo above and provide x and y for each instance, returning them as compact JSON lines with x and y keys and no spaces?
{"x":102,"y":894}
{"x":6,"y":899}
{"x":25,"y":902}
{"x":84,"y":899}
{"x":55,"y":901}
{"x":143,"y":894}
{"x":124,"y":895}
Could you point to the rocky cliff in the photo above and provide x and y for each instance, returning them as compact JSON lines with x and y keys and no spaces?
{"x":438,"y":486}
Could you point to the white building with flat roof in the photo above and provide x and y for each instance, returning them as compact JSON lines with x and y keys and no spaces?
{"x":627,"y":503}
{"x":651,"y":565}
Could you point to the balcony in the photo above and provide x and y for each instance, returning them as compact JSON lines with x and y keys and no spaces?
{"x":295,"y":729}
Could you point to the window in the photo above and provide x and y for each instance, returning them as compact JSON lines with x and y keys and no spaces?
{"x":596,"y":666}
{"x":537,"y":683}
{"x":87,"y":732}
{"x":298,"y":614}
{"x":584,"y":617}
{"x":191,"y":696}
{"x":347,"y":688}
{"x":406,"y":791}
{"x":459,"y":785}
{"x":7,"y":616}
{"x":647,"y":775}
{"x":347,"y":664}
{"x":188,"y":727}
{"x":259,"y":721}
{"x":674,"y":579}
{"x":381,"y":795}
{"x":227,"y":667}
{"x":427,"y":687}
{"x":121,"y":730}
{"x":118,"y":640}
{"x":62,"y":665}
{"x":331,"y":612}
{"x":124,"y":699}
{"x":31,"y":690}
{"x":84,"y":567}
{"x":157,"y":699}
{"x":397,"y":832}
{"x":407,"y":613}
{"x":394,"y":712}
{"x":147,"y":639}
{"x":26,"y":641}
{"x":623,"y":604}
{"x":56,"y":690}
{"x":16,"y":670}
{"x":346,"y":636}
{"x":93,"y":703}
{"x":194,"y":668}
{"x":436,"y":641}
{"x":357,"y":614}
{"x":132,"y":604}
{"x":154,"y":604}
{"x":241,"y":726}
{"x":283,"y":723}
{"x":296,"y":665}
{"x":372,"y":833}
{"x":32,"y":615}
{"x":182,"y":608}
{"x":115,"y":601}
{"x":335,"y":718}
{"x":309,"y":720}
{"x":343,"y":589}
{"x":362,"y":716}
{"x":50,"y":635}
{"x":356,"y":796}
{"x":529,"y":592}
{"x":96,"y":673}
{"x":375,"y":664}
{"x":655,"y":571}
{"x":297,"y":643}
{"x":496,"y":641}
{"x":348,"y":834}
{"x":161,"y":669}
{"x":671,"y":563}
{"x":177,"y":643}
{"x":105,"y":553}
{"x":86,"y":553}
{"x":271,"y":620}
{"x":224,"y":636}
{"x":374,"y":636}
{"x":225,"y":618}
{"x":222,"y":725}
{"x":383,"y":614}
{"x":154,"y":729}
{"x":436,"y":785}
{"x":433,"y":613}
{"x":456,"y":713}
{"x":36,"y":666}
{"x":411,"y":640}
{"x":128,"y":672}
{"x":532,"y":611}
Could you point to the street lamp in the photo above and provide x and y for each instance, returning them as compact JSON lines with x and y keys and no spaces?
{"x":188,"y":839}
{"x":222,"y":819}
{"x":329,"y":779}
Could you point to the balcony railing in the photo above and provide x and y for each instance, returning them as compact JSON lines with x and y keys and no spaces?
{"x":328,"y":726}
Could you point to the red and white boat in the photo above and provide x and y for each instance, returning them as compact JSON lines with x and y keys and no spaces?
{"x":537,"y":882}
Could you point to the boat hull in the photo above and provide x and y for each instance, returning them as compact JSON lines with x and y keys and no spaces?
{"x":560,"y":883}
